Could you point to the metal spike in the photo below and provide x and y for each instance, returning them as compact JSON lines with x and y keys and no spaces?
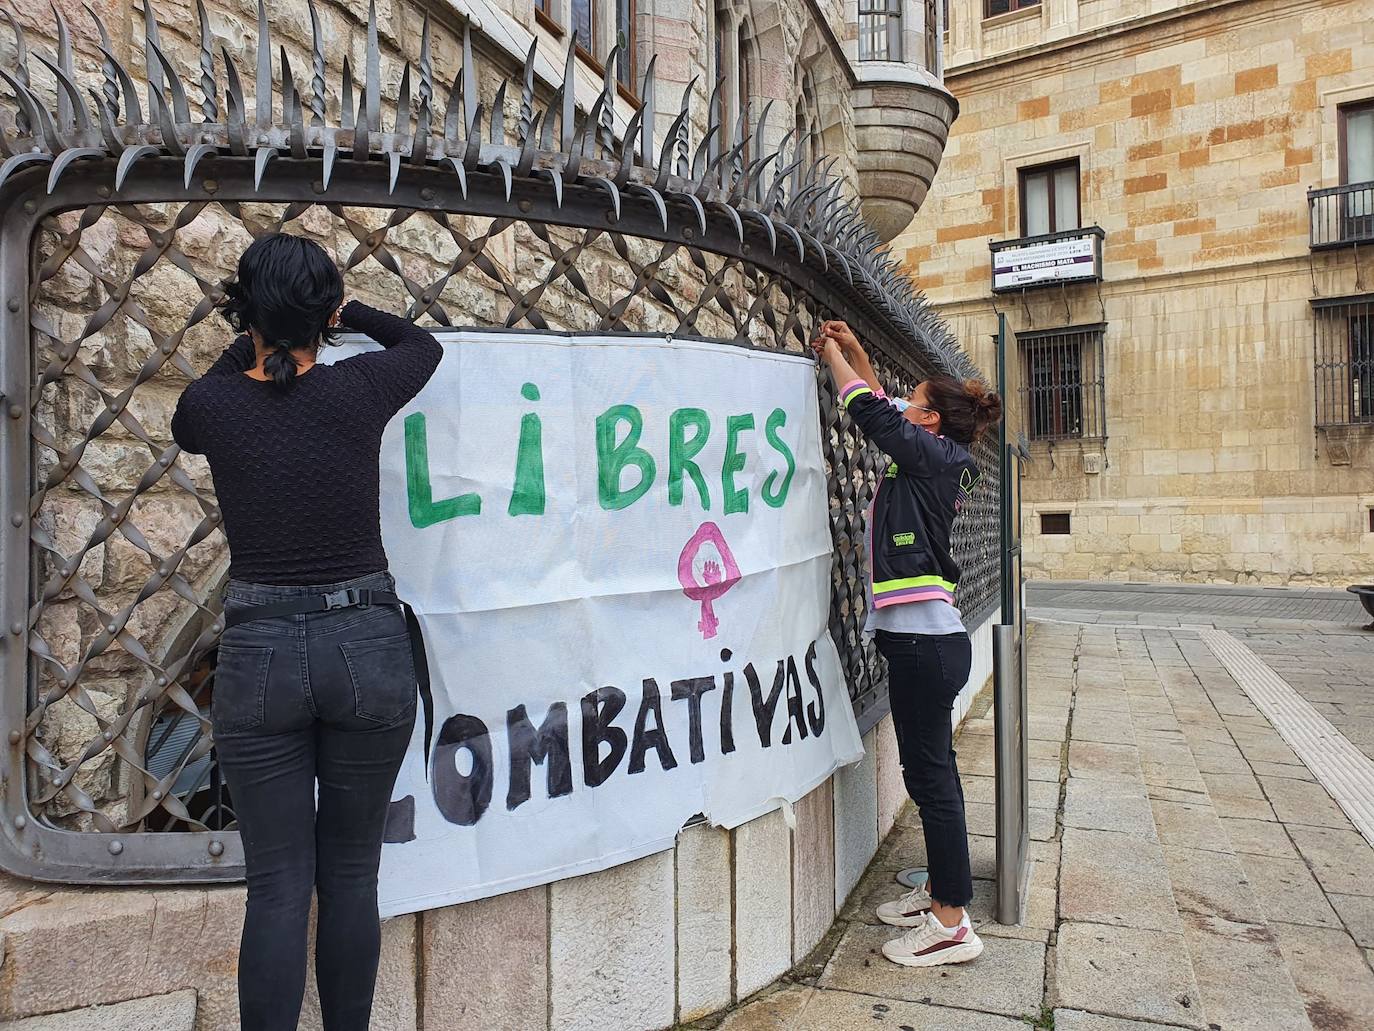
{"x":426,"y":95}
{"x":180,"y":107}
{"x":66,"y":91}
{"x":546,"y":134}
{"x":233,"y":105}
{"x":669,"y":142}
{"x":658,"y":202}
{"x":452,"y":113}
{"x":372,"y":86}
{"x":474,"y":142}
{"x":497,"y":133}
{"x":527,"y":93}
{"x":712,"y":122}
{"x":152,"y":66}
{"x":462,"y":176}
{"x":529,"y":146}
{"x":611,"y":192}
{"x":67,"y":158}
{"x":21,"y":48}
{"x":297,"y":119}
{"x":589,"y":124}
{"x":695,"y":201}
{"x":209,"y":106}
{"x":327,"y":159}
{"x":317,"y":99}
{"x":683,"y":145}
{"x":607,"y":129}
{"x":626,"y":156}
{"x":110,"y":100}
{"x":393,"y":160}
{"x":503,"y":166}
{"x":707,"y":145}
{"x":568,"y":116}
{"x":260,"y":159}
{"x":113,"y":143}
{"x":263,"y":87}
{"x":16,"y":162}
{"x":471,"y":101}
{"x":64,"y":62}
{"x":346,"y":96}
{"x":127,"y":160}
{"x":194,"y":154}
{"x":36,"y":115}
{"x":733,"y":215}
{"x":767,"y":223}
{"x":647,"y":107}
{"x":557,"y":175}
{"x":401,"y":124}
{"x":170,"y":141}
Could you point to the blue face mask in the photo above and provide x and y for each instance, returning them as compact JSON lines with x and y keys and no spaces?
{"x":901,"y":404}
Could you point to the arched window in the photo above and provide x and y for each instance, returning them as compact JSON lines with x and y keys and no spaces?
{"x":625,"y":70}
{"x":722,"y":59}
{"x":808,"y":119}
{"x":932,"y":39}
{"x":880,"y":30}
{"x":745,"y":68}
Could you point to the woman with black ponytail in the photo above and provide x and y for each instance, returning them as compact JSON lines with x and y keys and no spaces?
{"x":315,"y":682}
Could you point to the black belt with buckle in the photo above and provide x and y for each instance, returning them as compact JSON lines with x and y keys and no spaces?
{"x":360,"y":599}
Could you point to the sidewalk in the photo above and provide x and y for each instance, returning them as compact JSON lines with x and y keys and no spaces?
{"x":1189,"y":868}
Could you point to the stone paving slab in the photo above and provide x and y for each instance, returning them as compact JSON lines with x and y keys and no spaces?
{"x":1008,"y":978}
{"x":1332,"y":974}
{"x":1127,"y":972}
{"x":1078,"y":1020}
{"x":1111,"y":878}
{"x":173,"y":1012}
{"x":1242,"y":976}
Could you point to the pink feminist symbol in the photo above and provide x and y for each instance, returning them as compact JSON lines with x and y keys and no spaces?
{"x":717,"y":580}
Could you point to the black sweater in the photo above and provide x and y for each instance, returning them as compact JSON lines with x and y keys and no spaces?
{"x":296,"y":470}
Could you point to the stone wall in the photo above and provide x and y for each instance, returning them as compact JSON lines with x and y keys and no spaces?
{"x":1198,"y":135}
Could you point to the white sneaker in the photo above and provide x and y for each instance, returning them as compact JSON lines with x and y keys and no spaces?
{"x":908,"y":911}
{"x":933,"y":944}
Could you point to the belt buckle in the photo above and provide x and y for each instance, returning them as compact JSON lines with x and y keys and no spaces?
{"x":340,"y":600}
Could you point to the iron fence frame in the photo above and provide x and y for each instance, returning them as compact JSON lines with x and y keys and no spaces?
{"x":798,"y":226}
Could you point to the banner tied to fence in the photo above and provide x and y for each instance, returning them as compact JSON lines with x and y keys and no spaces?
{"x":619,"y":550}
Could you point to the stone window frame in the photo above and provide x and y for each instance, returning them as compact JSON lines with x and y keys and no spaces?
{"x":1086,"y":345}
{"x":1343,"y":113}
{"x":1012,"y":164}
{"x":870,"y":11}
{"x":1330,"y":102}
{"x":736,"y":40}
{"x":1025,"y":172}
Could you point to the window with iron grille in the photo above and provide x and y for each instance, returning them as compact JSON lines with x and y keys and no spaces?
{"x":991,"y":8}
{"x":880,"y":30}
{"x":1343,"y":360}
{"x":1063,"y":391}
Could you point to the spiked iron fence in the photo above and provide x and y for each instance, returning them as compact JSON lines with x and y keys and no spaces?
{"x":117,"y":227}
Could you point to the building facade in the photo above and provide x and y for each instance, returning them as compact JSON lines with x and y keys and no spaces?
{"x":1170,"y":202}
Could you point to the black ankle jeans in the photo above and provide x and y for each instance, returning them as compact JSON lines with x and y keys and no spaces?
{"x":925,"y":676}
{"x":325,"y":697}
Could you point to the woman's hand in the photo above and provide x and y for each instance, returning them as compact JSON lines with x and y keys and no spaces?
{"x":843,"y":336}
{"x":827,"y":348}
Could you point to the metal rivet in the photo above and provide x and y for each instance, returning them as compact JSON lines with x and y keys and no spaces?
{"x":116,"y":847}
{"x":427,"y":193}
{"x":102,"y":191}
{"x":30,"y":206}
{"x":217,"y":627}
{"x":15,"y":737}
{"x":16,"y":629}
{"x":115,"y":406}
{"x":262,"y":137}
{"x":166,"y":348}
{"x":17,"y":519}
{"x":164,"y":571}
{"x":745,"y":249}
{"x":157,"y":796}
{"x":688,"y":232}
{"x":15,"y":411}
{"x":611,"y":218}
{"x":317,"y":186}
{"x":161,"y":681}
{"x":20,"y":822}
{"x":13,"y":304}
{"x":210,"y":185}
{"x":216,"y":848}
{"x":207,"y":137}
{"x":108,"y":736}
{"x":111,"y":627}
{"x":214,"y":517}
{"x":525,"y":204}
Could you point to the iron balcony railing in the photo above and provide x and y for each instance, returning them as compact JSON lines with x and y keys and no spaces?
{"x":1341,"y":216}
{"x":1068,"y":256}
{"x":1343,"y":360}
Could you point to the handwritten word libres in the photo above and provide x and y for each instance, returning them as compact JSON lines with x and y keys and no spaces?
{"x":626,"y":471}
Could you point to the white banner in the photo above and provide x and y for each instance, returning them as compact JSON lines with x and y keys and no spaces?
{"x":618,"y":547}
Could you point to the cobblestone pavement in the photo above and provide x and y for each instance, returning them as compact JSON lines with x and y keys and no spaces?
{"x":1189,"y":871}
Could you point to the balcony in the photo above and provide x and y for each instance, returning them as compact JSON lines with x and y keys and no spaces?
{"x":1069,"y":256}
{"x":1341,"y":216}
{"x":902,"y":117}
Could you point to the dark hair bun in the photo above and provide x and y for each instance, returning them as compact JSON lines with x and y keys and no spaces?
{"x":287,"y":288}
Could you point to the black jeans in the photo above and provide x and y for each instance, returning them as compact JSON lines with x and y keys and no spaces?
{"x":925,"y":676}
{"x":327,"y":697}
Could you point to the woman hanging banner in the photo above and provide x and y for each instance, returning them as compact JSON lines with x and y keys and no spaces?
{"x":619,"y":551}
